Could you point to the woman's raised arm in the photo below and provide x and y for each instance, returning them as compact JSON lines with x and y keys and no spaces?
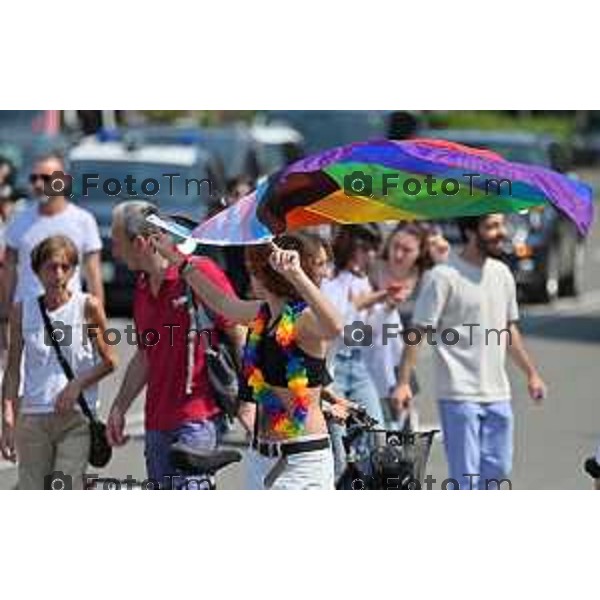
{"x":231,"y":307}
{"x":323,"y":320}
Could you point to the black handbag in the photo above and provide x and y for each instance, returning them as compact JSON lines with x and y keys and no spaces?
{"x":221,"y":366}
{"x":100,"y":449}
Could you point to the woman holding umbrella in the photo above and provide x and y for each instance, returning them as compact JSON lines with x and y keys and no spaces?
{"x":284,"y":361}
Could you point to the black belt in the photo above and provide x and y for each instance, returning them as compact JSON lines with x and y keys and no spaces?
{"x":276,"y":449}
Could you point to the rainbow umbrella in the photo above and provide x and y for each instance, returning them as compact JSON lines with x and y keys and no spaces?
{"x":387,"y":180}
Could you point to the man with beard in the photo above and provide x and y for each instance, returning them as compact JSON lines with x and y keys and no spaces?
{"x":467,"y":309}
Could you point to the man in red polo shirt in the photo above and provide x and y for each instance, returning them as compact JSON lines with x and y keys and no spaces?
{"x":179,"y":401}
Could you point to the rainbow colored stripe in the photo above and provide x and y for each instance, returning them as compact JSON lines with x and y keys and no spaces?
{"x":288,"y":423}
{"x":313,"y":191}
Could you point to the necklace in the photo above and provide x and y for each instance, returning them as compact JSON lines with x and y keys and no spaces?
{"x":290,"y":423}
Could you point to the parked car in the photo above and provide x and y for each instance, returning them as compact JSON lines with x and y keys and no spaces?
{"x":22,"y":147}
{"x":277,"y":146}
{"x":322,"y":129}
{"x":545,"y":250}
{"x":98,"y":162}
{"x":586,"y":139}
{"x":243,"y":152}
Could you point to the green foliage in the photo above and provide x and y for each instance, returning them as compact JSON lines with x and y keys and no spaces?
{"x":562,"y":125}
{"x":164,"y":117}
{"x":200,"y":117}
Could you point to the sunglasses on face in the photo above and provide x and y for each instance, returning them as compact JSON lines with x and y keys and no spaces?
{"x":34,"y":177}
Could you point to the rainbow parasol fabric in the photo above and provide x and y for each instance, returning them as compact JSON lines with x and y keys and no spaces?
{"x":387,"y":180}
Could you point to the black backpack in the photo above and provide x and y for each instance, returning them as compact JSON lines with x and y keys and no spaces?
{"x":224,"y":373}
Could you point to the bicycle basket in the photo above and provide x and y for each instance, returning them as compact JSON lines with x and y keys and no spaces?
{"x":398,"y":460}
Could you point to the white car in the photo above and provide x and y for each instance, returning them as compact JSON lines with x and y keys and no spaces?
{"x":180,"y":179}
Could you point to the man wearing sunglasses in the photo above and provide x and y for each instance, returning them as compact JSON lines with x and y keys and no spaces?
{"x":49,"y":215}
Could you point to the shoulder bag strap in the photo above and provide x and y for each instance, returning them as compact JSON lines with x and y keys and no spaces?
{"x":66,"y":367}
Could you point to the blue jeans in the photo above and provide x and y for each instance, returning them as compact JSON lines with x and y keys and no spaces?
{"x":200,"y":434}
{"x":478,"y":438}
{"x":353,"y":381}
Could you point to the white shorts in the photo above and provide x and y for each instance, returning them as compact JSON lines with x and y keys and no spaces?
{"x":307,"y":471}
{"x":304,"y":471}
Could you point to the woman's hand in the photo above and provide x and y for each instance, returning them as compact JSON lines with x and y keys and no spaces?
{"x":439,"y":248}
{"x":401,"y":398}
{"x":7,"y":441}
{"x":339,"y":412}
{"x":115,"y":427}
{"x":336,"y":407}
{"x":321,"y":322}
{"x":66,"y":400}
{"x":286,"y":263}
{"x":397,"y":293}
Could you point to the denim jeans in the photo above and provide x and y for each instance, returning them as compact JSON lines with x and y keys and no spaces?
{"x":478,"y":438}
{"x":202,"y":435}
{"x":353,"y":381}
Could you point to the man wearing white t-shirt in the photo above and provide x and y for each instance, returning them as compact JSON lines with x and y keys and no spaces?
{"x":470,"y":303}
{"x":45,"y":217}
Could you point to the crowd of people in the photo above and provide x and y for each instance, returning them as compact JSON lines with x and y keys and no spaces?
{"x":307,"y":317}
